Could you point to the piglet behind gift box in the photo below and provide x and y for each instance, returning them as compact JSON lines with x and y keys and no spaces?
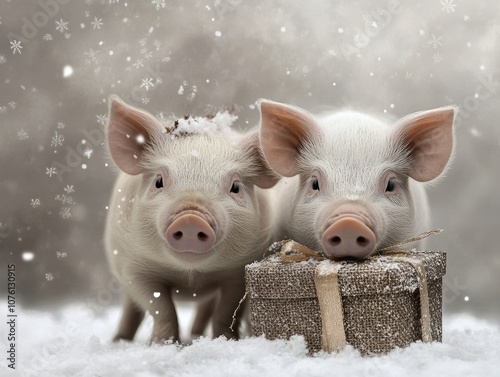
{"x":187,"y":214}
{"x":358,"y":183}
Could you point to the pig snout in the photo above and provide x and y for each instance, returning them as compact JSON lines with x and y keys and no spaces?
{"x":348,"y":236}
{"x":190,"y":232}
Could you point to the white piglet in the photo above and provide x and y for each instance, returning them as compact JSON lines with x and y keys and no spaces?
{"x":358,"y":183}
{"x":186,"y":215}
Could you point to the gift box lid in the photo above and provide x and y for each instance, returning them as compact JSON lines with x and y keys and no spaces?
{"x":273,"y":278}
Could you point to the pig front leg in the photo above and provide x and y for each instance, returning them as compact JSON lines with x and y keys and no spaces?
{"x":230,"y":297}
{"x":131,"y":319}
{"x":204,"y":312}
{"x":156,"y":298}
{"x":165,"y":325}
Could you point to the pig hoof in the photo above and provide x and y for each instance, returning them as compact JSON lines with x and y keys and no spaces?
{"x":348,"y":237}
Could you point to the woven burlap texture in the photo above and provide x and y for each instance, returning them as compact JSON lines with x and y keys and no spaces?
{"x":380,"y":299}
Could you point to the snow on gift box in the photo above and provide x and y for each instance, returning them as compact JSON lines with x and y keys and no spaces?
{"x":375,"y":305}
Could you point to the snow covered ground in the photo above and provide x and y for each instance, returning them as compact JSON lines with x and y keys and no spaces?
{"x":73,"y":341}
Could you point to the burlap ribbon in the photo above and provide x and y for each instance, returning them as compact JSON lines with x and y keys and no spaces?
{"x":326,"y":280}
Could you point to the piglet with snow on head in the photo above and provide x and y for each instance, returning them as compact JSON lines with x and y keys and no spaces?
{"x":358,"y":184}
{"x":188,"y":211}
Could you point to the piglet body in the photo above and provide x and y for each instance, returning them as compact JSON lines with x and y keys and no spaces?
{"x":186,"y":215}
{"x":355,"y":183}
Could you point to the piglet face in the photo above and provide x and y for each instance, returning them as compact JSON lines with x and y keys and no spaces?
{"x":355,"y":173}
{"x":197,"y":197}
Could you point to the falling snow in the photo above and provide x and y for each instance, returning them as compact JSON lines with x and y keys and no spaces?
{"x":2,"y":59}
{"x":91,"y":56}
{"x":47,"y":37}
{"x":49,"y":276}
{"x":22,"y":134}
{"x":16,"y":47}
{"x":448,"y":6}
{"x":147,"y":83}
{"x":435,"y":42}
{"x":62,"y":25}
{"x":437,"y":58}
{"x":61,"y":125}
{"x":97,"y":23}
{"x":102,"y":119}
{"x":138,"y":64}
{"x":88,"y":152}
{"x":57,"y":140}
{"x":69,"y":189}
{"x":35,"y":202}
{"x":65,"y":212}
{"x":159,"y":4}
{"x":64,"y":199}
{"x":60,"y":254}
{"x":50,"y":171}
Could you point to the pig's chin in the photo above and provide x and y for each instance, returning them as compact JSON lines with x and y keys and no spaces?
{"x":188,"y":256}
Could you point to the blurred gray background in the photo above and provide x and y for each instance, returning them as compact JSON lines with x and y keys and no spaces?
{"x":60,"y":60}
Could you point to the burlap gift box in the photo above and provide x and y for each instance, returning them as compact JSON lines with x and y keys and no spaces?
{"x":380,"y":299}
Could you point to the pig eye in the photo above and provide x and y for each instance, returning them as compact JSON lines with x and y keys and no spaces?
{"x":235,"y":188}
{"x":159,"y":182}
{"x":391,"y":185}
{"x":315,"y":184}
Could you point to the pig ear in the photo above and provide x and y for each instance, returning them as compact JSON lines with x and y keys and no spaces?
{"x":265,"y":177}
{"x":130,"y":130}
{"x":429,"y":137}
{"x":283,"y":131}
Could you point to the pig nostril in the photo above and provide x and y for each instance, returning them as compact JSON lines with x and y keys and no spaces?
{"x":362,"y":241}
{"x":202,"y":236}
{"x":334,"y":241}
{"x":177,"y":235}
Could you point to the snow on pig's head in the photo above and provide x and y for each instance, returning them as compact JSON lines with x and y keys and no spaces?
{"x":358,"y":177}
{"x":194,"y":203}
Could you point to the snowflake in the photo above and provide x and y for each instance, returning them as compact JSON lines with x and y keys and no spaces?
{"x":35,"y":202}
{"x":61,"y":254}
{"x":3,"y":109}
{"x":61,"y":125}
{"x":159,"y":4}
{"x":69,"y":189}
{"x":47,"y":37}
{"x":2,"y":59}
{"x":138,"y":64}
{"x":16,"y":47}
{"x":67,"y":35}
{"x":448,"y":5}
{"x":91,"y":56}
{"x":148,"y":55}
{"x":49,"y":276}
{"x":147,"y":83}
{"x":97,"y":23}
{"x":50,"y":171}
{"x":145,"y":101}
{"x":64,"y":199}
{"x":102,"y":119}
{"x":435,"y":42}
{"x":12,"y":104}
{"x":22,"y":135}
{"x":408,"y":75}
{"x":180,"y":91}
{"x":88,"y":152}
{"x":437,"y":58}
{"x":65,"y":212}
{"x":166,"y":59}
{"x":57,"y":139}
{"x":62,"y":25}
